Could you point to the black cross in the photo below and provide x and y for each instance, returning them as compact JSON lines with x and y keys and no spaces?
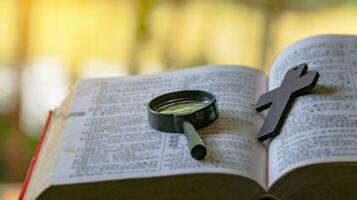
{"x":297,"y":81}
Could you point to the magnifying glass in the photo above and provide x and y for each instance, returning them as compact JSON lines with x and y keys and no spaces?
{"x":184,"y":112}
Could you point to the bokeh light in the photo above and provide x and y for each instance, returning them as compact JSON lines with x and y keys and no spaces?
{"x":47,"y":45}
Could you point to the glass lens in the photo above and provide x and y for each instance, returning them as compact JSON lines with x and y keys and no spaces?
{"x":182,"y":107}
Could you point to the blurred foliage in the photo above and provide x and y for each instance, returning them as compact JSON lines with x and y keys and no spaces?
{"x":81,"y":38}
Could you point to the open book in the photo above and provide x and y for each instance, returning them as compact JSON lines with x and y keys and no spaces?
{"x":98,"y":143}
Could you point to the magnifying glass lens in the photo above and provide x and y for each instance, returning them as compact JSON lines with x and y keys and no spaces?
{"x":182,"y":107}
{"x":183,"y":112}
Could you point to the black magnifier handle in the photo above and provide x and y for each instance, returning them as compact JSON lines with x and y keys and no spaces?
{"x":194,"y":141}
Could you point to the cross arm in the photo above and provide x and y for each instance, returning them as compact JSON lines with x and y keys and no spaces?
{"x":265,"y":101}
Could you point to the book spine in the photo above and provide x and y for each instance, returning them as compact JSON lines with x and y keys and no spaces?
{"x":34,"y":158}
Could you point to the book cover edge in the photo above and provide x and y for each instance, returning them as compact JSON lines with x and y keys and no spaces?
{"x":35,"y":156}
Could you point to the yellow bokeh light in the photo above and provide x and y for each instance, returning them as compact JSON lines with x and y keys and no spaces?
{"x":8,"y":31}
{"x":294,"y":25}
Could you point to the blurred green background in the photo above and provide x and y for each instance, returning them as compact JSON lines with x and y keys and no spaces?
{"x":46,"y":45}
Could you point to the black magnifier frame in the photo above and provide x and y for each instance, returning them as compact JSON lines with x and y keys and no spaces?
{"x":184,"y":122}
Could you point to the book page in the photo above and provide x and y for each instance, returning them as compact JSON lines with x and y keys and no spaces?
{"x":322,"y":126}
{"x":107,"y":135}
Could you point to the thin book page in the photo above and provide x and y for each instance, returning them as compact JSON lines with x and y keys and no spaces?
{"x":107,"y":136}
{"x":42,"y":174}
{"x":321,"y":127}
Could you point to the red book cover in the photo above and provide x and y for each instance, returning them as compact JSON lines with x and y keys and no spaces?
{"x":34,"y":158}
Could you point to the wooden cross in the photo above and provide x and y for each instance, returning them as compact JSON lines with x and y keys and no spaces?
{"x":297,"y":81}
